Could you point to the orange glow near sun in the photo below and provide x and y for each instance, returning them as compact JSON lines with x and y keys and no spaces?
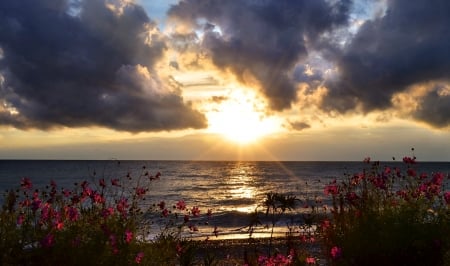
{"x":240,"y":119}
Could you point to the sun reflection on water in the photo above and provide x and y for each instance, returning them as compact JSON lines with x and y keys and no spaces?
{"x":242,"y":185}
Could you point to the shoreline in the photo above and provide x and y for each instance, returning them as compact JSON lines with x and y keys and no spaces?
{"x":235,"y":251}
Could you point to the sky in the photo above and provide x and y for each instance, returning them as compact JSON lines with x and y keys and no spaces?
{"x":225,"y":80}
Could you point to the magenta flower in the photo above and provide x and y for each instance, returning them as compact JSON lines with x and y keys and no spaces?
{"x":20,"y":219}
{"x":326,"y":224}
{"x":331,"y":189}
{"x":115,"y":182}
{"x":140,"y":191}
{"x":336,"y":252}
{"x":139,"y":257}
{"x":411,"y":172}
{"x":26,"y":184}
{"x":351,"y":197}
{"x":310,"y":260}
{"x":107,"y":212}
{"x":195,"y":211}
{"x":122,"y":206}
{"x":409,"y":160}
{"x":181,"y":205}
{"x":72,"y":213}
{"x":59,"y":225}
{"x":97,"y":198}
{"x":36,"y":204}
{"x":66,"y":193}
{"x":102,"y":183}
{"x":128,"y":236}
{"x":165,"y":212}
{"x":447,"y":197}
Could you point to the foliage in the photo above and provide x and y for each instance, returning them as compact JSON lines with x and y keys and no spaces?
{"x":388,"y":216}
{"x":96,"y":223}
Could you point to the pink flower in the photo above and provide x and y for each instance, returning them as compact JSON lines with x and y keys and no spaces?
{"x":102,"y":183}
{"x":59,"y":225}
{"x":140,"y":191}
{"x":25,"y":183}
{"x":181,"y":205}
{"x":66,"y":192}
{"x":331,"y":189}
{"x":36,"y":204}
{"x":107,"y":212}
{"x":409,"y":160}
{"x":165,"y":213}
{"x":351,"y":197}
{"x":72,"y":213}
{"x":128,"y":236}
{"x":310,"y":260}
{"x":336,"y":252}
{"x":97,"y":197}
{"x":357,"y":178}
{"x":411,"y":172}
{"x":139,"y":257}
{"x":195,"y":211}
{"x":20,"y":219}
{"x":437,"y":179}
{"x":447,"y":197}
{"x":326,"y":224}
{"x":115,"y":182}
{"x":122,"y":206}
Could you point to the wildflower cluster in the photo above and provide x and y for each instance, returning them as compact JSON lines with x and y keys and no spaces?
{"x":39,"y":225}
{"x":98,"y":222}
{"x":388,"y":215}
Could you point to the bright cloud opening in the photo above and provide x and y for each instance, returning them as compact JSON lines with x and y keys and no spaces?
{"x":238,"y":118}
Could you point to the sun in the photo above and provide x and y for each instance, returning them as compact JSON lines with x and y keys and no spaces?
{"x":240,"y":118}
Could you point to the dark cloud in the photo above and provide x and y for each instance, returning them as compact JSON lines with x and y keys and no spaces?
{"x":434,"y":108}
{"x":218,"y":99}
{"x":81,"y":63}
{"x":408,"y":45}
{"x":264,"y":39}
{"x":299,"y":125}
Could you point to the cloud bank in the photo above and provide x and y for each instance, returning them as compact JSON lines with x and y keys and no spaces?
{"x":261,"y":40}
{"x":273,"y":43}
{"x":78,"y":63}
{"x":85,"y":63}
{"x":407,"y":46}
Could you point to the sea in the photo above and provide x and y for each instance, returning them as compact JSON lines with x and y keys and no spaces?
{"x":233,"y":191}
